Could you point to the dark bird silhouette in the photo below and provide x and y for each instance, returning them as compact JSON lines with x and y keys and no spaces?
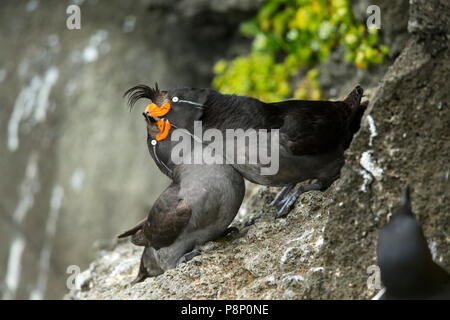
{"x":313,"y":135}
{"x":407,"y":268}
{"x":197,"y":207}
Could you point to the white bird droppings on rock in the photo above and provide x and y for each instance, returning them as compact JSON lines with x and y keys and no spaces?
{"x":372,"y":129}
{"x":367,"y":163}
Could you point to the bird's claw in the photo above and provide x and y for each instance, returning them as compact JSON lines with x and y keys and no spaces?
{"x":188,"y":256}
{"x":288,"y":202}
{"x":252,"y":220}
{"x":281,"y":196}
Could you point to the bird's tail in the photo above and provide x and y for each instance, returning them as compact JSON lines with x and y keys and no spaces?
{"x":137,"y":234}
{"x":357,"y":108}
{"x":356,"y":111}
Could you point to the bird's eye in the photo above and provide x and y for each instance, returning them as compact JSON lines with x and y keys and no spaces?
{"x":175,"y":99}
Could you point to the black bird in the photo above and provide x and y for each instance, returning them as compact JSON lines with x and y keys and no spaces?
{"x":407,"y":268}
{"x":197,"y":207}
{"x":313,"y":135}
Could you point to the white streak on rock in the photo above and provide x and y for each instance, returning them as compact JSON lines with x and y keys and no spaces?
{"x":295,"y":278}
{"x":43,"y":94}
{"x":368,"y":165}
{"x":56,"y":199}
{"x":22,"y":109}
{"x":433,"y":250}
{"x":371,"y":170}
{"x":31,"y":103}
{"x":2,"y":75}
{"x":76,"y":181}
{"x":55,"y":206}
{"x":90,"y":52}
{"x":14,"y":266}
{"x":372,"y":129}
{"x":367,"y":180}
{"x":28,"y":188}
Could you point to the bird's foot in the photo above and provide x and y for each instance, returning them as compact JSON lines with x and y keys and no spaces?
{"x":281,"y":196}
{"x":278,"y":202}
{"x":252,"y":220}
{"x":289,"y":201}
{"x":188,"y":256}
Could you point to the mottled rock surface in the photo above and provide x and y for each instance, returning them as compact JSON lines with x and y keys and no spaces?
{"x":273,"y":259}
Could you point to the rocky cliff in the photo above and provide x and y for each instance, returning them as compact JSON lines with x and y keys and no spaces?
{"x":323,"y":249}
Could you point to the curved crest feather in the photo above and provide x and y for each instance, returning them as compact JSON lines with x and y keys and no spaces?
{"x":140,"y":91}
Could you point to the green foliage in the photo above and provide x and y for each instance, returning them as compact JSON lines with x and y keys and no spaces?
{"x":256,"y":75}
{"x":290,"y":35}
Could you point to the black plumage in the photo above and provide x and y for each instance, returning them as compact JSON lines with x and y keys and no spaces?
{"x":312,"y":141}
{"x":407,"y":268}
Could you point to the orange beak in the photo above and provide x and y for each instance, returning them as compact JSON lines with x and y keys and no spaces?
{"x":154,"y":111}
{"x":164,"y":128}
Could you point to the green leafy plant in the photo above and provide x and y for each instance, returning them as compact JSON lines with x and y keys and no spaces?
{"x":294,"y":35}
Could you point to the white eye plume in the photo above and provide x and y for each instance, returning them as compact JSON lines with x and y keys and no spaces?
{"x":175,"y":99}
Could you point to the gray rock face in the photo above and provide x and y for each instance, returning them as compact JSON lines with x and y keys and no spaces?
{"x":74,"y":166}
{"x":326,"y":246}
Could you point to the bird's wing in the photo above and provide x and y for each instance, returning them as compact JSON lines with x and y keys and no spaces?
{"x":167,"y":219}
{"x":166,"y":225}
